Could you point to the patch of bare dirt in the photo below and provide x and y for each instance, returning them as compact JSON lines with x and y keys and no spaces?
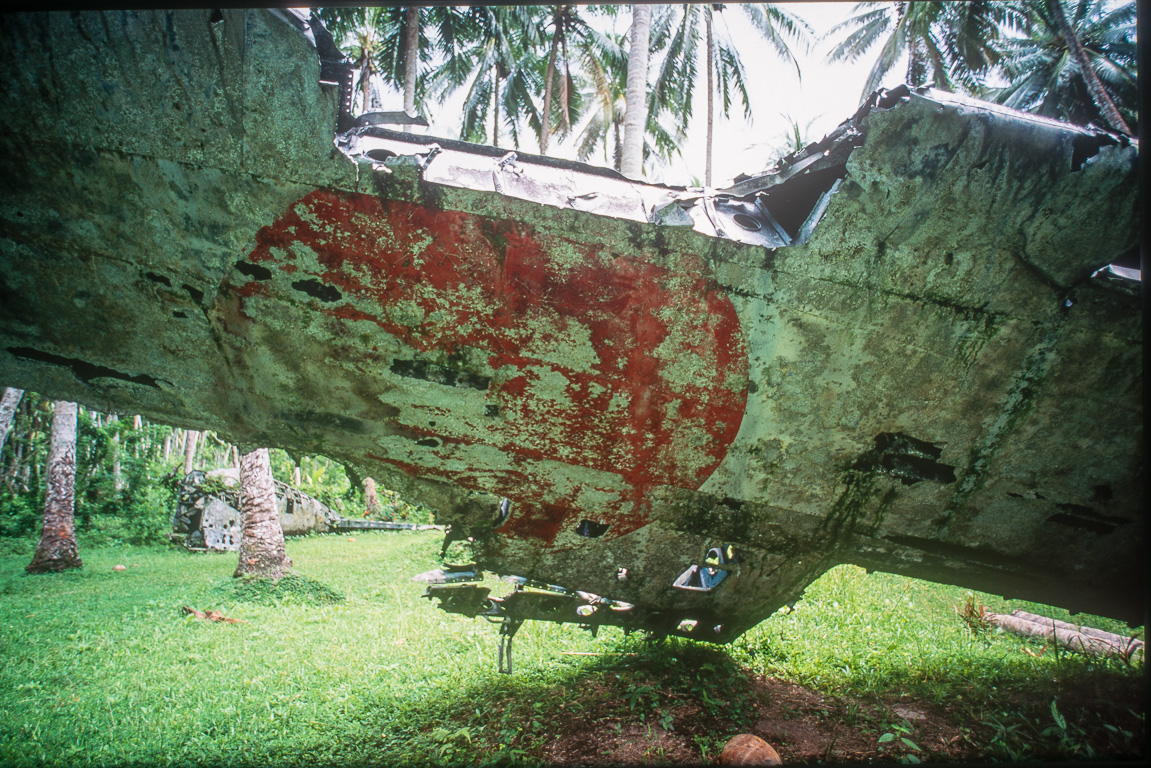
{"x":803,"y":725}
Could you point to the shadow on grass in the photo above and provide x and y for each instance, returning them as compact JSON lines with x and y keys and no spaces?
{"x":677,"y":702}
{"x":663,"y":702}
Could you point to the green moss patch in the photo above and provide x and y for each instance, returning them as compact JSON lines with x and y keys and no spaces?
{"x":293,"y":589}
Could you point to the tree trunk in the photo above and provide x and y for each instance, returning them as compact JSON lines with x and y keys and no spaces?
{"x":635,"y":113}
{"x":57,"y":548}
{"x":117,"y":474}
{"x":707,"y":17}
{"x":190,"y":450}
{"x":496,"y":108}
{"x":411,"y":59}
{"x":1082,"y":639}
{"x":366,"y":85}
{"x":916,"y":63}
{"x":261,"y":537}
{"x":549,"y":87}
{"x":371,"y":500}
{"x":296,"y":476}
{"x":1098,"y":93}
{"x":8,"y":405}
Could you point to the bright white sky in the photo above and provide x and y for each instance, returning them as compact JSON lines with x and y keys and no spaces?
{"x":827,"y":95}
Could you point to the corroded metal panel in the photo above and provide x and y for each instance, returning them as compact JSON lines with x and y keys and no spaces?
{"x":895,"y":349}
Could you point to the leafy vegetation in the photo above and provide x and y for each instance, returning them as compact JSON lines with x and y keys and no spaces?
{"x":1041,"y":76}
{"x":102,"y":668}
{"x":289,"y":590}
{"x":126,"y":469}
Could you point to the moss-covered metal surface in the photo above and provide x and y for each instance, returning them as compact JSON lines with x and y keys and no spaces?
{"x":894,"y":354}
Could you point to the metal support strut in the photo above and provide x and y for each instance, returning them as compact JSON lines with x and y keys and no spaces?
{"x":507,"y":631}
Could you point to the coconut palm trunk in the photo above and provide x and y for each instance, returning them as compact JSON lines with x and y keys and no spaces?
{"x":411,"y":58}
{"x":365,"y":86}
{"x":261,"y":537}
{"x":1098,"y":92}
{"x":496,"y":107}
{"x":190,"y":439}
{"x":57,"y":548}
{"x":708,"y":21}
{"x":635,"y":114}
{"x":549,"y":88}
{"x":8,"y":404}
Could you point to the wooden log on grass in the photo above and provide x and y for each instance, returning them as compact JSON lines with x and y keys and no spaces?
{"x":1099,"y":633}
{"x":1070,"y":636}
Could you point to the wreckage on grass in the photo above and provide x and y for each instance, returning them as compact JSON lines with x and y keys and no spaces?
{"x":902,"y":348}
{"x":207,"y":515}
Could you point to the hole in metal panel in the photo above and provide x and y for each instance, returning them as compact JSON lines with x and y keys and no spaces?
{"x":380,"y":155}
{"x":749,"y":223}
{"x":591,"y":530}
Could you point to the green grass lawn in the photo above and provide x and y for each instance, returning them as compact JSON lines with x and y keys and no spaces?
{"x":101,"y":667}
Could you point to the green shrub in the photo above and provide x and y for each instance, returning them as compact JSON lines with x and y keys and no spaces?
{"x":20,"y":514}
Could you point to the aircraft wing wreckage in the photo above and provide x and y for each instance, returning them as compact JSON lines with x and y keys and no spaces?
{"x":901,"y":348}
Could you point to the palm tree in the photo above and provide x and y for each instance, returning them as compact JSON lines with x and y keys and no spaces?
{"x":635,"y":113}
{"x":1076,"y":64}
{"x":191,"y":437}
{"x":502,"y":67}
{"x":568,"y":26}
{"x":948,"y":45}
{"x":361,"y":33}
{"x":57,"y":548}
{"x":725,"y":75}
{"x":605,"y":72}
{"x":262,"y":550}
{"x":8,"y":406}
{"x":398,"y":43}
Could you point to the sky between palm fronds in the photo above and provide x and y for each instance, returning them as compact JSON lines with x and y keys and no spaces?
{"x":786,"y":106}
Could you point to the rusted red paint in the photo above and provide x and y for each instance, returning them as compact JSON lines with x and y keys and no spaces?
{"x":513,"y":292}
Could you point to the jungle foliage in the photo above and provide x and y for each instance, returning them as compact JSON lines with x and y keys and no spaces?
{"x":126,"y":469}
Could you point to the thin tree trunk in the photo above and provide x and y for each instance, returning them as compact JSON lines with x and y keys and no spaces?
{"x":57,"y":548}
{"x":635,"y":114}
{"x":412,"y":59}
{"x":8,"y":404}
{"x":916,"y":69}
{"x":117,"y":475}
{"x":366,"y":86}
{"x":190,"y":450}
{"x":549,"y":87}
{"x":371,"y":499}
{"x":496,"y":108}
{"x":617,"y":154}
{"x":296,"y":476}
{"x":261,"y":537}
{"x":1098,"y":93}
{"x":707,"y":16}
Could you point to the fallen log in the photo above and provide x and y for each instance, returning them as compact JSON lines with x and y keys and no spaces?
{"x":1099,"y":633}
{"x":1072,"y":637}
